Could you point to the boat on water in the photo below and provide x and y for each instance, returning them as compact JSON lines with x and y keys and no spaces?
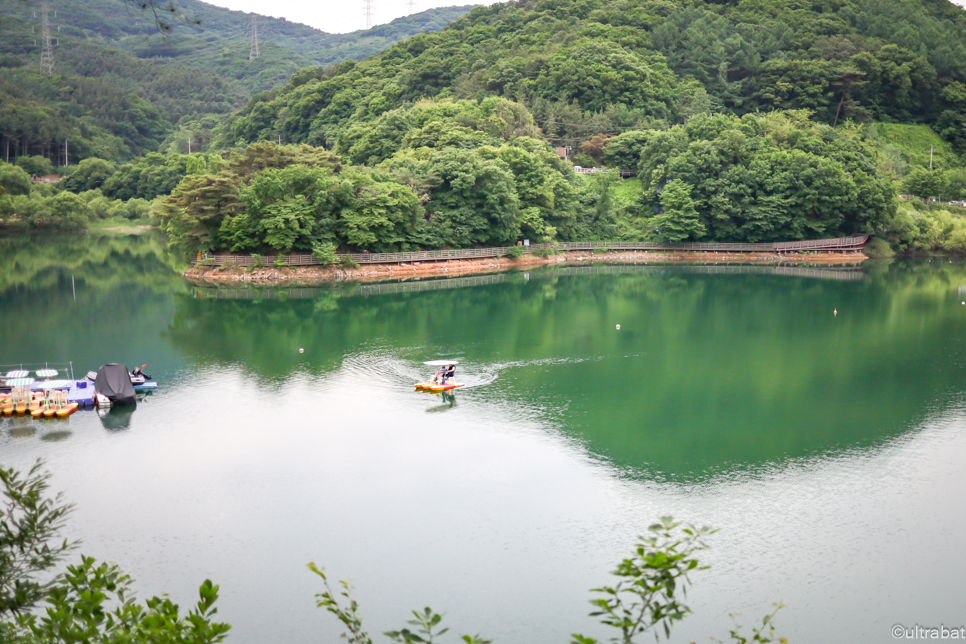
{"x":46,"y":396}
{"x":139,"y":380}
{"x":439,"y":382}
{"x":113,"y":381}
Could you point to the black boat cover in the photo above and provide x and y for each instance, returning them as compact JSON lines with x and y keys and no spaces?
{"x":114,"y":381}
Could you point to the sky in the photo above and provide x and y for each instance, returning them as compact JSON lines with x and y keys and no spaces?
{"x":338,"y":16}
{"x":342,"y":16}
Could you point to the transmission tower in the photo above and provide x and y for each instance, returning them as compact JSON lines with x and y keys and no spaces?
{"x":47,"y":50}
{"x":411,"y":6}
{"x":254,"y":54}
{"x":367,"y":11}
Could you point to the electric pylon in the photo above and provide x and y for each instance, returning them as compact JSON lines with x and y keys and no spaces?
{"x":367,"y":10}
{"x":47,"y":50}
{"x":254,"y":53}
{"x":411,"y":6}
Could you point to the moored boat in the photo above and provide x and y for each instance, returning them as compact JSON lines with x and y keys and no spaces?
{"x":66,"y":410}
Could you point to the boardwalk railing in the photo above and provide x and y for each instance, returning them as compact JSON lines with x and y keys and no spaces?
{"x":854,"y":243}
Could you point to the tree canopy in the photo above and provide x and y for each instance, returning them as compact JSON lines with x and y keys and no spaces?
{"x":603,"y":67}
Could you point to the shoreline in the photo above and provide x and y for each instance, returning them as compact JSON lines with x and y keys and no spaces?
{"x":318,"y":275}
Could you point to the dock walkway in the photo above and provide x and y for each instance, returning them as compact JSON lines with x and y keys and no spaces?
{"x":852,"y":244}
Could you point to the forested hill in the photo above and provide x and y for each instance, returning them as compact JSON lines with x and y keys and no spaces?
{"x":586,"y":67}
{"x":121,"y":89}
{"x":207,"y":37}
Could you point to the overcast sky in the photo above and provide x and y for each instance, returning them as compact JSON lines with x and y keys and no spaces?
{"x":341,"y":16}
{"x":338,"y":16}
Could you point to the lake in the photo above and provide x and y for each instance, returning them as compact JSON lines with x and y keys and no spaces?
{"x":828,"y":449}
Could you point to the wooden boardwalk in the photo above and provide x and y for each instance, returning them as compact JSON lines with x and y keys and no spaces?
{"x":853,"y":244}
{"x":424,"y":285}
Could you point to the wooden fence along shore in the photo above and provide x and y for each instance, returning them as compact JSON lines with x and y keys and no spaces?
{"x":853,"y":244}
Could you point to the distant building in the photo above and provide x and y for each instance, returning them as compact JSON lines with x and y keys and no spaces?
{"x":48,"y":178}
{"x":561,"y":152}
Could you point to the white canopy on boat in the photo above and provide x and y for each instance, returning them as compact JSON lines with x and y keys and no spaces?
{"x":440,"y":363}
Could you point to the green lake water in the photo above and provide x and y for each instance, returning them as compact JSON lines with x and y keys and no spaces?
{"x":829,"y":450}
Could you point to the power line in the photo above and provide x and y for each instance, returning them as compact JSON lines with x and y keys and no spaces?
{"x":254,"y":53}
{"x":47,"y":52}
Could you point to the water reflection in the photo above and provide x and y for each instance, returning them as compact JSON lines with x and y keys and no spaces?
{"x":22,"y":431}
{"x":709,"y":371}
{"x":57,"y":435}
{"x":825,"y":447}
{"x":447,"y":401}
{"x":117,"y":418}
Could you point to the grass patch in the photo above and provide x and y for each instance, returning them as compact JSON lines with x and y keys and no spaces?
{"x":626,"y":191}
{"x":914,"y":141}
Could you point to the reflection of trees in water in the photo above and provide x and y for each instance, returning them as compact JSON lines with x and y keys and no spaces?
{"x":89,"y":298}
{"x":99,"y":260}
{"x":706,"y":369}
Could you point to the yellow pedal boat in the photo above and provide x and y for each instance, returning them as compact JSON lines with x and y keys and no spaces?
{"x":446,"y":387}
{"x":66,"y":411}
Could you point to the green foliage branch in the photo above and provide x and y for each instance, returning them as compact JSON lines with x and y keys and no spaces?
{"x":648,"y":599}
{"x":90,"y":602}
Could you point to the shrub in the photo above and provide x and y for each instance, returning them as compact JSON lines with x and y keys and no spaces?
{"x":548,"y":251}
{"x":956,"y":242}
{"x":878,"y":247}
{"x":515,"y":252}
{"x":325,"y":253}
{"x":648,"y":598}
{"x":347,"y":262}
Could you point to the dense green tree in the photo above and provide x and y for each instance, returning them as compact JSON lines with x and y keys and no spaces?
{"x":381,"y":214}
{"x":925,"y":183}
{"x":192,"y":215}
{"x":152,"y":175}
{"x":88,"y":175}
{"x":624,"y":150}
{"x":472,"y":197}
{"x":678,"y":220}
{"x":14,"y":180}
{"x":285,"y":209}
{"x":267,"y":155}
{"x":770,"y":177}
{"x":65,"y":211}
{"x":36,"y":166}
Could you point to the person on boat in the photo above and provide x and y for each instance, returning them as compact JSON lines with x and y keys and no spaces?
{"x":438,"y":378}
{"x":450,"y":374}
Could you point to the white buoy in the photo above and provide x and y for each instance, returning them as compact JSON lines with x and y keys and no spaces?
{"x":301,"y":350}
{"x":618,"y":327}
